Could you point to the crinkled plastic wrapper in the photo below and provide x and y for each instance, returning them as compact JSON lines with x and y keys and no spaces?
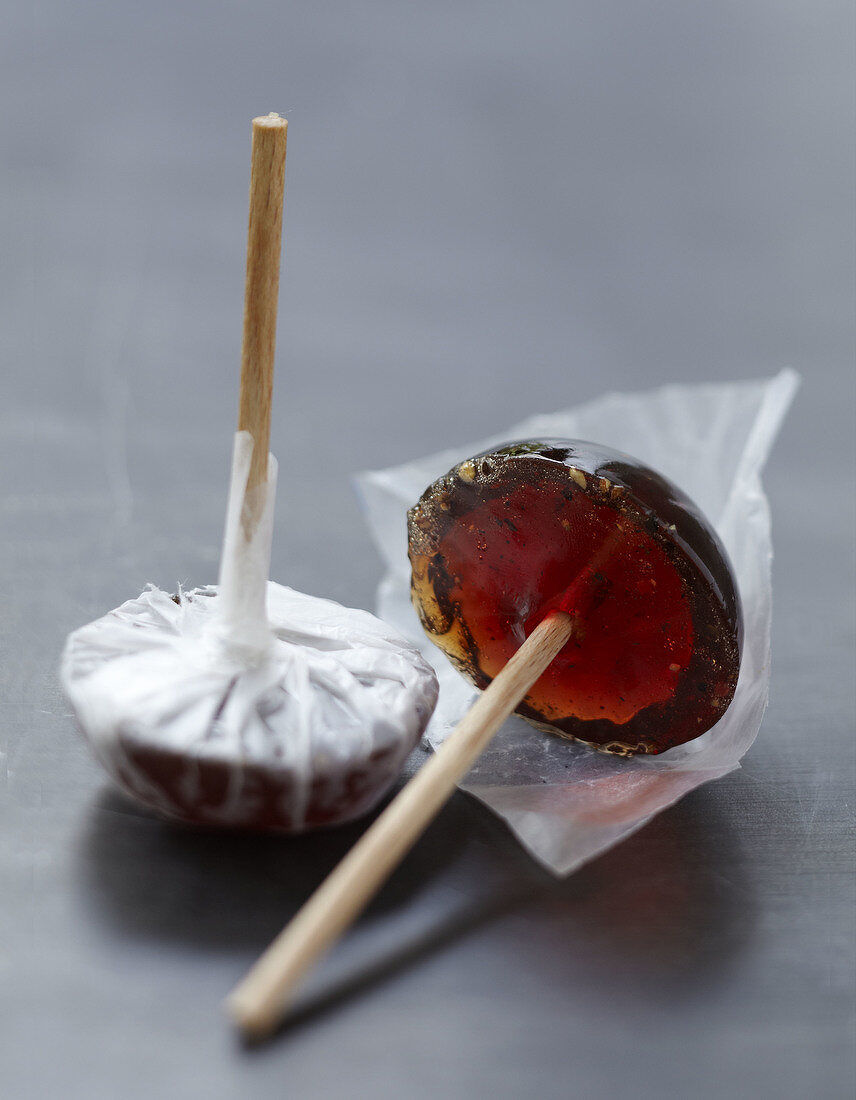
{"x":248,"y":704}
{"x":565,"y":802}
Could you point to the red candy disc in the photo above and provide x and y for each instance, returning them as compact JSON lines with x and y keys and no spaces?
{"x":505,"y":537}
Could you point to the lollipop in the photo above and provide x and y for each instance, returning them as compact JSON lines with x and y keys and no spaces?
{"x":540,"y":525}
{"x":248,"y":704}
{"x":570,"y":583}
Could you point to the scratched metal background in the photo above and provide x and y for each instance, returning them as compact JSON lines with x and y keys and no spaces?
{"x":492,"y":209}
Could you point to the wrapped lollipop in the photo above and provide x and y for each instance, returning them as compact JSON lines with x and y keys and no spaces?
{"x":248,"y":704}
{"x":572,"y":584}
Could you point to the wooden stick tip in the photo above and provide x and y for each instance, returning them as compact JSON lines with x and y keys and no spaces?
{"x":253,"y":1025}
{"x":273,"y":121}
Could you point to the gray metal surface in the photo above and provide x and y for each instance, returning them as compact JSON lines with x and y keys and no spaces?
{"x":492,"y":209}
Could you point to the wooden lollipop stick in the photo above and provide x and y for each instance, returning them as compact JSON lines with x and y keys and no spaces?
{"x":258,"y":1003}
{"x":264,"y":240}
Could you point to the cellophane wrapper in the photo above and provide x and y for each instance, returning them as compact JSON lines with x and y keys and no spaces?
{"x":565,"y":802}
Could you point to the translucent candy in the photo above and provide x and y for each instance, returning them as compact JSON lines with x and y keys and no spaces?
{"x":508,"y":535}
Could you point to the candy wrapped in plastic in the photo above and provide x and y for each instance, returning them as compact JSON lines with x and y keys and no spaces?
{"x":248,"y":704}
{"x":564,"y":801}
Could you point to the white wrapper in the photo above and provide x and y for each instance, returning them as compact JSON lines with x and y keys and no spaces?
{"x":245,"y":561}
{"x":252,"y":704}
{"x":567,"y":803}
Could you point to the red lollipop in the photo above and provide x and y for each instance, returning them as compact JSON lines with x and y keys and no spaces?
{"x":572,"y":584}
{"x":506,"y":537}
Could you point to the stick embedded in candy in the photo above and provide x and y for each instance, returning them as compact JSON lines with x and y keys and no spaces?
{"x":248,"y":704}
{"x":570,"y":583}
